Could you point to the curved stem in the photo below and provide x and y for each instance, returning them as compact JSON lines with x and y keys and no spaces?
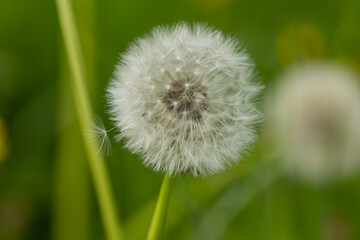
{"x":158,"y":222}
{"x":83,"y":108}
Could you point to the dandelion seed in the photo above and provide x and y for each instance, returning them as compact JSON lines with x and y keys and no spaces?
{"x":98,"y":132}
{"x":203,"y":115}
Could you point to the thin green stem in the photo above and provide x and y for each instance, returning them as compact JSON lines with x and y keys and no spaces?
{"x":96,"y":162}
{"x":159,"y":217}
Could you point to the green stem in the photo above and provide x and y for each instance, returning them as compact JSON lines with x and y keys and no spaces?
{"x":159,"y":217}
{"x":96,"y":162}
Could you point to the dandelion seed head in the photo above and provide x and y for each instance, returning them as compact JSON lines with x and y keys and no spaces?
{"x":314,"y":113}
{"x":194,"y":81}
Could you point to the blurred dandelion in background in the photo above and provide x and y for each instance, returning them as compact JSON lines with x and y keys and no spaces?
{"x":183,"y":98}
{"x":314,"y":110}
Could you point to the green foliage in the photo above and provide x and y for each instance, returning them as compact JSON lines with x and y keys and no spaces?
{"x":250,"y":201}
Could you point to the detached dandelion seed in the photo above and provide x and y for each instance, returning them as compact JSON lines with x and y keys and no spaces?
{"x":98,"y":131}
{"x":183,"y":98}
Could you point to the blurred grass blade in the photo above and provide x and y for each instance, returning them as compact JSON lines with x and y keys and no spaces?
{"x":159,"y":218}
{"x":71,"y":178}
{"x":96,"y":162}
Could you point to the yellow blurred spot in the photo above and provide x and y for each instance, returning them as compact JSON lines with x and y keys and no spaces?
{"x":300,"y":42}
{"x":4,"y":149}
{"x":353,"y":63}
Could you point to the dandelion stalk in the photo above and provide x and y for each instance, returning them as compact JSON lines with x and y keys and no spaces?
{"x":84,"y":112}
{"x":158,"y":222}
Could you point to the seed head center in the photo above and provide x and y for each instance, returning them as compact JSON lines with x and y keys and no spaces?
{"x":186,"y":99}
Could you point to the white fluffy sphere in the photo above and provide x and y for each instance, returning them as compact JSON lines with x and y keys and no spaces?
{"x":182,"y":97}
{"x":315,"y":113}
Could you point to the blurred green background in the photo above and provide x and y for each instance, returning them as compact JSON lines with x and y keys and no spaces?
{"x":45,"y":188}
